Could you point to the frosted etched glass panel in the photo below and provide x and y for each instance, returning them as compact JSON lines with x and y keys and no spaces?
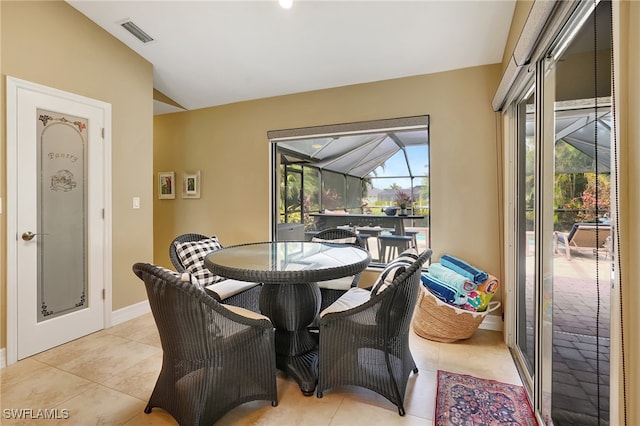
{"x":62,"y":201}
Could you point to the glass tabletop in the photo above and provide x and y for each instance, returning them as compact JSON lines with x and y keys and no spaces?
{"x":287,"y":261}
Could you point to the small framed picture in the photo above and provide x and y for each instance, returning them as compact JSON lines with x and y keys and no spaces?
{"x":191,"y":184}
{"x":166,"y":185}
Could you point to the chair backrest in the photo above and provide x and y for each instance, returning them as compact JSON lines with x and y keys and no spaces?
{"x":400,"y":298}
{"x":343,"y":236}
{"x":190,"y":322}
{"x":173,"y":254}
{"x":340,"y":236}
{"x":583,"y":235}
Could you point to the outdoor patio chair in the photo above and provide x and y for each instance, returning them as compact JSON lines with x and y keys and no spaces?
{"x":364,"y":335}
{"x":331,"y":290}
{"x":187,"y":252}
{"x":582,"y":236}
{"x":215,"y":357}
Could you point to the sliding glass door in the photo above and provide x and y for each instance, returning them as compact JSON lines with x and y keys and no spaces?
{"x":525,"y":234}
{"x":561,"y":164}
{"x":534,"y":170}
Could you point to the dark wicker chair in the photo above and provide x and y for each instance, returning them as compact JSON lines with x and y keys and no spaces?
{"x":214,"y":358}
{"x":248,"y":299}
{"x":330,"y":291}
{"x":367,"y":345}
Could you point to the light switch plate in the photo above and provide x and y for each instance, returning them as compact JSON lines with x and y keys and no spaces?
{"x":136,"y":202}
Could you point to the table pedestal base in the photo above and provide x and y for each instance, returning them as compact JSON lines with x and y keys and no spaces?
{"x":291,"y":308}
{"x":302,"y":368}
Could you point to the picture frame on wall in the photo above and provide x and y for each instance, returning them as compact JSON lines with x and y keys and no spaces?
{"x":166,"y":185}
{"x":191,"y":184}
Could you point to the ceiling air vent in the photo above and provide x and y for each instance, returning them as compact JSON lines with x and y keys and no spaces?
{"x":136,"y":31}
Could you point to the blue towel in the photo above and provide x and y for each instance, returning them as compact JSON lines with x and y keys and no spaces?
{"x":451,"y":277}
{"x":442,"y":290}
{"x":463,"y":268}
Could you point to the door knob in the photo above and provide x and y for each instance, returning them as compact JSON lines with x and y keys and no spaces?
{"x":28,"y":236}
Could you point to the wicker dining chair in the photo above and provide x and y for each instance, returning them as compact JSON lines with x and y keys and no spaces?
{"x":364,"y":335}
{"x":229,"y":292}
{"x":215,"y":357}
{"x":330,"y":291}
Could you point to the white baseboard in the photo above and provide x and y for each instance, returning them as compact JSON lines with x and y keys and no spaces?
{"x":130,"y":312}
{"x":492,"y":322}
{"x":3,"y":357}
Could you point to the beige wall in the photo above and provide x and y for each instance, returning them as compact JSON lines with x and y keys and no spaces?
{"x":229,"y":145}
{"x":50,"y":43}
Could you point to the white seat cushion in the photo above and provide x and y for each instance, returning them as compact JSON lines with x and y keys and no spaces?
{"x":245,"y":312}
{"x":227,"y":288}
{"x":343,"y":283}
{"x":353,"y":297}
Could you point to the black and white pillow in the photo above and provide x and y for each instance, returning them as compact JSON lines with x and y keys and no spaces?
{"x":184,"y":276}
{"x":394,"y":269}
{"x":191,"y":255}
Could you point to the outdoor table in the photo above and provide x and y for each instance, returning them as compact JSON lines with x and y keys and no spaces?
{"x":290,"y":296}
{"x":333,"y":220}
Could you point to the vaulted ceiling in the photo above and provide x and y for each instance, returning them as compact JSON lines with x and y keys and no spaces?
{"x":208,"y":53}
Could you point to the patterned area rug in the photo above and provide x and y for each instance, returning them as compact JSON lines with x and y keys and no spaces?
{"x":467,"y":400}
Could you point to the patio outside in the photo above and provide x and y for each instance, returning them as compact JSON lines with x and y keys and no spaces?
{"x":581,"y":339}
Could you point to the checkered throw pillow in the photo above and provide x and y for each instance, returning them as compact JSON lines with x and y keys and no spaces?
{"x":192,"y":255}
{"x":184,"y":276}
{"x":394,"y":269}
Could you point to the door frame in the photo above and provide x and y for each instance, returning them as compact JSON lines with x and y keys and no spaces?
{"x":13,"y":85}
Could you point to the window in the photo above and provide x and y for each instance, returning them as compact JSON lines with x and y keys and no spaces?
{"x":354,"y":172}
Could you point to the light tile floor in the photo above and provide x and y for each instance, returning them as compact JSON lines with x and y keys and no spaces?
{"x":106,"y":378}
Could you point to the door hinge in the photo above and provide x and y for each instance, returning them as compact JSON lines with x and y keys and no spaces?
{"x":103,"y":213}
{"x":103,"y":133}
{"x":104,"y":294}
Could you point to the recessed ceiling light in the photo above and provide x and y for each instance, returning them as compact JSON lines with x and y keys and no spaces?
{"x":286,"y":4}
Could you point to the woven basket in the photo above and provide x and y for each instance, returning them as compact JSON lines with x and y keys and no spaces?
{"x":436,"y":320}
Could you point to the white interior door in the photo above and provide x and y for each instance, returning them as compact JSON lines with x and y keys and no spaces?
{"x":57,"y":233}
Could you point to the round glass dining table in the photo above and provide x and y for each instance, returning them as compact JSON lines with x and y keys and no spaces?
{"x":290,"y":297}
